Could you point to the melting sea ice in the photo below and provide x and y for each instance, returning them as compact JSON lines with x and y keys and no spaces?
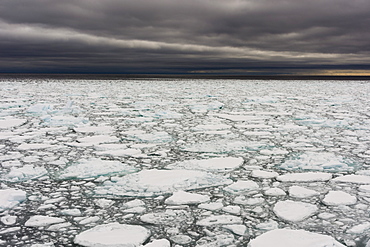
{"x":184,"y":163}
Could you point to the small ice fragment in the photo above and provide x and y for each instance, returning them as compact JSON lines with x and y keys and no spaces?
{"x":113,"y":234}
{"x":134,"y":203}
{"x":293,"y":238}
{"x":232,"y":209}
{"x":104,"y":203}
{"x":335,"y":198}
{"x":9,"y":220}
{"x":89,"y":220}
{"x":182,"y":197}
{"x":169,"y":217}
{"x":181,"y":239}
{"x":294,"y":211}
{"x":71,"y":212}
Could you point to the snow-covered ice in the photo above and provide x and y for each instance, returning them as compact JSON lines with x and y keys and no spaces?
{"x":294,"y":211}
{"x":293,"y":238}
{"x":113,"y":234}
{"x":213,"y":164}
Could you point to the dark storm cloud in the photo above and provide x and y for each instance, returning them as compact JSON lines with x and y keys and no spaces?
{"x":181,"y":36}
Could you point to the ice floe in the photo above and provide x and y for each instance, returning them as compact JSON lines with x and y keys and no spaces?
{"x":305,"y":177}
{"x":113,"y":234}
{"x":94,"y":168}
{"x":27,"y":172}
{"x":294,"y":211}
{"x":156,"y":182}
{"x":335,"y":198}
{"x":10,"y":198}
{"x":293,"y":238}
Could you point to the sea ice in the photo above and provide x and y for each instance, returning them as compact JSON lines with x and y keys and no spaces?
{"x":220,"y":220}
{"x":10,"y":198}
{"x":154,"y":182}
{"x":213,"y":164}
{"x":113,"y":234}
{"x":89,"y":168}
{"x":41,"y":221}
{"x":168,"y":217}
{"x":27,"y":172}
{"x":294,"y":211}
{"x":355,"y":179}
{"x":274,"y":192}
{"x":305,"y":177}
{"x":301,"y":192}
{"x":317,"y":161}
{"x":182,"y":197}
{"x":293,"y":238}
{"x":264,"y":174}
{"x":335,"y":198}
{"x":11,"y":122}
{"x":241,"y":187}
{"x":156,"y":137}
{"x":223,"y":146}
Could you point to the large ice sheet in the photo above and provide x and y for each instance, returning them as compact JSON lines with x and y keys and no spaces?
{"x":213,"y":164}
{"x":11,"y":122}
{"x":154,"y":182}
{"x":294,"y":211}
{"x":293,"y":238}
{"x":90,"y":168}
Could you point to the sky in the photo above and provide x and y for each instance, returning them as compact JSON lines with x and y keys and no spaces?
{"x":251,"y":37}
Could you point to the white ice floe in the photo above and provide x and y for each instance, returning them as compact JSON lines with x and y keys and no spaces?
{"x":355,"y":179}
{"x":156,"y":182}
{"x":41,"y":221}
{"x":294,"y":211}
{"x":305,"y":177}
{"x":113,"y":234}
{"x":27,"y":172}
{"x":220,"y":220}
{"x":11,"y":122}
{"x":318,"y":161}
{"x":236,"y":229}
{"x":94,"y":129}
{"x":10,"y":198}
{"x":241,"y":187}
{"x":335,"y":198}
{"x":264,"y":174}
{"x":213,"y":206}
{"x":293,"y":238}
{"x":238,"y":118}
{"x":34,"y":146}
{"x":274,"y":192}
{"x":120,"y":152}
{"x":71,"y":212}
{"x":301,"y":192}
{"x":358,"y":229}
{"x":8,"y":220}
{"x":182,"y":197}
{"x":89,"y":168}
{"x":213,"y":164}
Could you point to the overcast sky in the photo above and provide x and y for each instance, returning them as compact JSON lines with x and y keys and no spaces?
{"x":185,"y":36}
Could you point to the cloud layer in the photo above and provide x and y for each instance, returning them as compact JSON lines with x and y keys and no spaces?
{"x":173,"y":36}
